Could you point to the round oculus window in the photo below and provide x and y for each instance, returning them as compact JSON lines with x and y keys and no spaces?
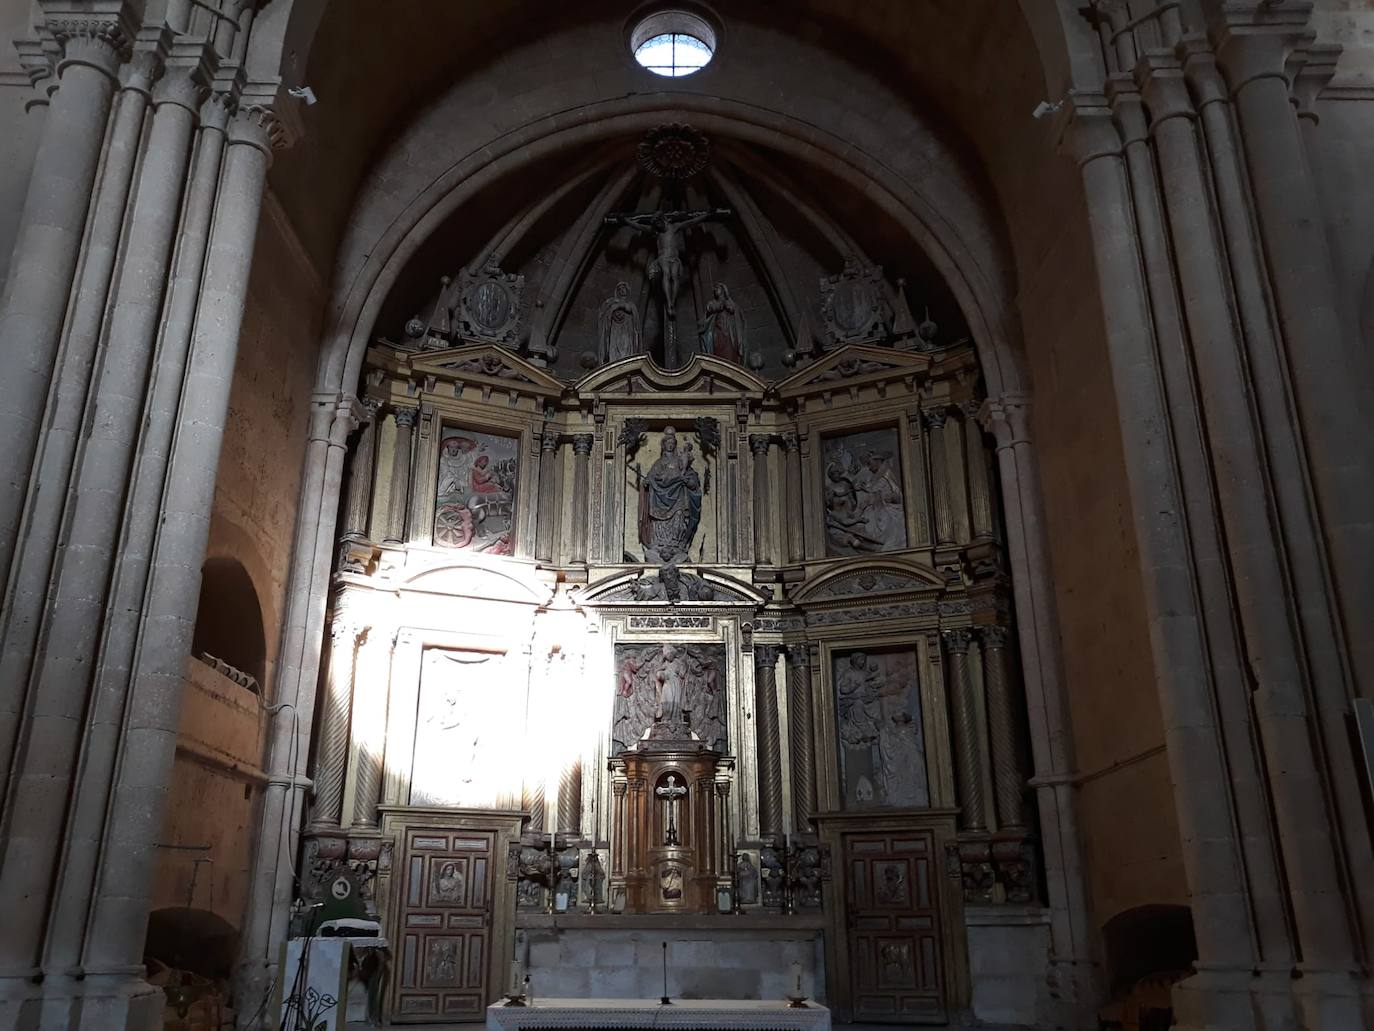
{"x":673,"y":43}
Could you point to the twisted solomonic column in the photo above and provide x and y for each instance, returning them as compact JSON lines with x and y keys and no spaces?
{"x":965,"y":730}
{"x":802,"y":733}
{"x":1008,"y":765}
{"x":336,"y":719}
{"x":769,"y":740}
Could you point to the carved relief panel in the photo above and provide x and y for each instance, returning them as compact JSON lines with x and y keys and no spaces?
{"x":675,"y":682}
{"x":474,"y":506}
{"x":865,"y":511}
{"x":880,"y":733}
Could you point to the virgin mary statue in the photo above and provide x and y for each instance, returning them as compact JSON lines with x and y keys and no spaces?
{"x":669,"y":502}
{"x":619,"y":324}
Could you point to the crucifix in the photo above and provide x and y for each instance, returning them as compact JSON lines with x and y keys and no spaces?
{"x":667,"y":226}
{"x":671,"y":793}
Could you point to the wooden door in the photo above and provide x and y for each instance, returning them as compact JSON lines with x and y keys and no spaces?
{"x":896,"y":968}
{"x":444,"y":923}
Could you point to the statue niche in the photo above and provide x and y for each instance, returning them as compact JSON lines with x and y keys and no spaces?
{"x":670,"y":496}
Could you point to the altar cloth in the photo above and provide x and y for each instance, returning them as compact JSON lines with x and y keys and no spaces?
{"x":644,"y":1014}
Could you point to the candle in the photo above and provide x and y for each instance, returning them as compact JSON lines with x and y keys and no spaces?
{"x":797,"y":977}
{"x":515,"y":977}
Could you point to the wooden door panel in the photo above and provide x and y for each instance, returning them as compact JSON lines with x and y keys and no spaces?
{"x":897,"y":972}
{"x":445,"y":925}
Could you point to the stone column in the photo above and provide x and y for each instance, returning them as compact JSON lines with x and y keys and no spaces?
{"x":763,"y":503}
{"x":982,"y":521}
{"x":1007,"y":419}
{"x":801,"y":730}
{"x":967,"y":759}
{"x":939,"y":476}
{"x":61,"y":433}
{"x":1260,"y":583}
{"x":398,"y":505}
{"x":369,"y":740}
{"x":1008,"y":769}
{"x":582,"y":516}
{"x":1210,"y":851}
{"x":74,"y":613}
{"x":358,"y":500}
{"x":570,"y":798}
{"x":48,"y":243}
{"x":546,"y":519}
{"x":1253,"y":48}
{"x":769,"y":743}
{"x":795,"y":524}
{"x":336,"y":718}
{"x":116,"y":938}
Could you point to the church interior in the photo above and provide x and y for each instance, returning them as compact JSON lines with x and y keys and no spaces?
{"x":704,"y":514}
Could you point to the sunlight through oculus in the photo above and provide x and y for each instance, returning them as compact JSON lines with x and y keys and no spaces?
{"x":673,"y":43}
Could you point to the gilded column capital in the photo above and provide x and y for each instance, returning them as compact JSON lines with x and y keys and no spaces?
{"x":582,"y":444}
{"x":405,"y":417}
{"x":791,"y":441}
{"x":798,"y":654}
{"x":766,"y":656}
{"x":935,"y":418}
{"x":371,"y":406}
{"x":549,"y":439}
{"x":995,"y":637}
{"x":957,"y":641}
{"x":759,"y":443}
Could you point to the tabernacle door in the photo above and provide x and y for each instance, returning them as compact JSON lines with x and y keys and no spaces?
{"x":449,"y":904}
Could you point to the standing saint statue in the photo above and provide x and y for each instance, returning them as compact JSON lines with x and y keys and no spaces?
{"x":723,"y":334}
{"x":669,"y":502}
{"x":619,"y":324}
{"x":667,"y":227}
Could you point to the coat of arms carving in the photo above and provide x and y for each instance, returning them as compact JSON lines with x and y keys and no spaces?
{"x":488,"y":308}
{"x":854,"y":305}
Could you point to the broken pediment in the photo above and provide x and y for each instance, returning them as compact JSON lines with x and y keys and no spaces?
{"x":853,"y":365}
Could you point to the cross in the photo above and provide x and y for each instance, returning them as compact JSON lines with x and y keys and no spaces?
{"x":671,"y":793}
{"x":667,"y":226}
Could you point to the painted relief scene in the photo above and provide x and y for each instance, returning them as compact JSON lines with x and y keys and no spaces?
{"x":864,"y":512}
{"x":673,"y":683}
{"x":881,"y":747}
{"x":476,"y":492}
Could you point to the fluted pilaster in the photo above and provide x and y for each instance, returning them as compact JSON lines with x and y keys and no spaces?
{"x":546,"y":519}
{"x":935,"y":419}
{"x":399,"y":502}
{"x":358,"y":503}
{"x":792,"y":469}
{"x":982,"y":520}
{"x":759,"y":443}
{"x":582,"y":451}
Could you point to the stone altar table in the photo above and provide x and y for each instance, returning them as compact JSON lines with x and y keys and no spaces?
{"x":704,"y":1014}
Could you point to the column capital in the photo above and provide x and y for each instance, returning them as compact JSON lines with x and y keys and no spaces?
{"x":995,"y":636}
{"x":957,"y":641}
{"x":1254,"y":39}
{"x":791,"y":441}
{"x":97,"y":33}
{"x":1162,"y":84}
{"x":371,"y":406}
{"x":1201,"y":70}
{"x":1314,"y":73}
{"x":759,"y":443}
{"x":257,"y":126}
{"x":583,"y":443}
{"x":798,"y":654}
{"x":935,"y":418}
{"x":406,"y":417}
{"x":766,"y":655}
{"x":1007,"y":418}
{"x":1091,"y":131}
{"x":549,"y":439}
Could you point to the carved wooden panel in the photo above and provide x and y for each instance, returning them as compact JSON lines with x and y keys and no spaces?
{"x":444,"y":925}
{"x":896,"y":966}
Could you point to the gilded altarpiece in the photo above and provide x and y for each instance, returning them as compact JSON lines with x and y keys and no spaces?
{"x":677,"y":640}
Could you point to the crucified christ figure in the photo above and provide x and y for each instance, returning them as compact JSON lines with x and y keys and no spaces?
{"x":667,"y":226}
